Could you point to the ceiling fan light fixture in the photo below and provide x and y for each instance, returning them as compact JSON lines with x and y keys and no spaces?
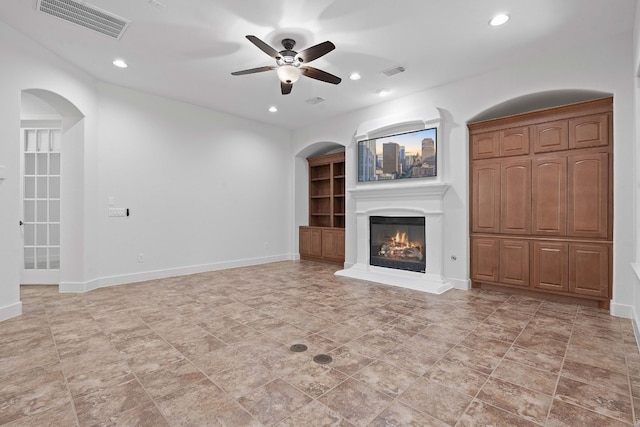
{"x":288,"y":74}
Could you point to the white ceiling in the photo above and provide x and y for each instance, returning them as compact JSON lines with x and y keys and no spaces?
{"x":186,"y":49}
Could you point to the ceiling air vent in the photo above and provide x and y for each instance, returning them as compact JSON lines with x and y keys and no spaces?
{"x":393,"y":71}
{"x":314,"y":101}
{"x":85,"y":15}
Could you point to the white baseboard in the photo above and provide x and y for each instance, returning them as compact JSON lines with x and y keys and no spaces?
{"x":462,"y":284}
{"x":76,"y":287}
{"x":621,"y":310}
{"x":9,"y":311}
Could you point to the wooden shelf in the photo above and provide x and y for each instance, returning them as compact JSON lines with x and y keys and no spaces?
{"x":323,"y":239}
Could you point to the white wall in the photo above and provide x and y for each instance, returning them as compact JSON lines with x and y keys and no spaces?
{"x":205,"y":189}
{"x":604,"y":66}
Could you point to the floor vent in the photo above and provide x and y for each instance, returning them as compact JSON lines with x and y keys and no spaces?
{"x":393,"y":71}
{"x":85,"y":15}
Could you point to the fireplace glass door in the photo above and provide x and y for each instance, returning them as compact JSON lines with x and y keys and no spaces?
{"x":397,"y":242}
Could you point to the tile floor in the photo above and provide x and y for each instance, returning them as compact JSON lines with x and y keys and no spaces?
{"x":213,"y":350}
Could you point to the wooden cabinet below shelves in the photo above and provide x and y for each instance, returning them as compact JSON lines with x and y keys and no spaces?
{"x":322,"y":244}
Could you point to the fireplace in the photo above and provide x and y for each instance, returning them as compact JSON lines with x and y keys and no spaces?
{"x":397,"y":242}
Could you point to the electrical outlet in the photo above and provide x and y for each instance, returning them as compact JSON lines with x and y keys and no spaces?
{"x":140,"y":257}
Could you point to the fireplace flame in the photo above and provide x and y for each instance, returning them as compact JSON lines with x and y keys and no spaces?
{"x":400,"y":247}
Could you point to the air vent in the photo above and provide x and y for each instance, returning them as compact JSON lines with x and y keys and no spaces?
{"x":393,"y":71}
{"x":315,"y":100}
{"x":85,"y":15}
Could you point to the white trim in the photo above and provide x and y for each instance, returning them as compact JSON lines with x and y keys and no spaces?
{"x":636,"y":269}
{"x":621,"y":310}
{"x":77,"y":287}
{"x":10,"y":311}
{"x":462,"y":284}
{"x":431,"y":283}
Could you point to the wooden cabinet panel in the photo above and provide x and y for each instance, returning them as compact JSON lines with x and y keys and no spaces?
{"x":515,"y":197}
{"x":549,"y":196}
{"x":588,"y":195}
{"x":551,"y":136}
{"x":310,"y":241}
{"x":514,"y":142}
{"x":333,"y":243}
{"x":486,"y":198}
{"x":514,"y":262}
{"x":550,"y":266}
{"x":589,"y":270}
{"x":485,"y":145}
{"x":484,"y":262}
{"x":589,"y":131}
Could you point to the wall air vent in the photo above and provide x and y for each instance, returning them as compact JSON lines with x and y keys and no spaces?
{"x":315,"y":100}
{"x":85,"y":15}
{"x":393,"y":71}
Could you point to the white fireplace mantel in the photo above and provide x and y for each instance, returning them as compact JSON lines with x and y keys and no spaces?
{"x":401,"y":200}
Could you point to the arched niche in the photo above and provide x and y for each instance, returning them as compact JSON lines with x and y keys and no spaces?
{"x":301,"y":182}
{"x":537,"y":101}
{"x":44,"y":108}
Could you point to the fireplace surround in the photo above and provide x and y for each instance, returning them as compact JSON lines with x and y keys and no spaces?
{"x":419,"y":198}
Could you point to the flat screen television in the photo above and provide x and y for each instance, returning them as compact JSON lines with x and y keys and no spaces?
{"x":400,"y":156}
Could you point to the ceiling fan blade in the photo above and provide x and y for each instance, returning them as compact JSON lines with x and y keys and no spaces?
{"x":315,"y":52}
{"x":314,"y":73}
{"x":286,"y":88}
{"x":264,"y":47}
{"x":252,"y":70}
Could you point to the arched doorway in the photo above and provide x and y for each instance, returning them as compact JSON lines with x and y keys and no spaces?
{"x":46,"y":121}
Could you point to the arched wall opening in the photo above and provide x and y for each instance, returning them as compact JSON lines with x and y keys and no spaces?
{"x":301,"y":183}
{"x":41,"y":107}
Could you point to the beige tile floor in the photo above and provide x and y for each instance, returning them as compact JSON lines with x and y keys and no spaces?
{"x":213,"y":349}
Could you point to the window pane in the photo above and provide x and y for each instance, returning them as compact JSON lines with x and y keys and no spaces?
{"x":29,"y":164}
{"x":54,"y":234}
{"x":29,"y":261}
{"x":41,"y":257}
{"x":41,"y":234}
{"x":41,"y":211}
{"x":29,"y":211}
{"x":43,"y":167}
{"x":54,"y":258}
{"x":54,"y":211}
{"x":56,"y":140}
{"x":29,"y":234}
{"x":42,"y":187}
{"x":30,"y":187}
{"x":54,"y":164}
{"x":43,"y":140}
{"x":54,"y":187}
{"x":30,"y":141}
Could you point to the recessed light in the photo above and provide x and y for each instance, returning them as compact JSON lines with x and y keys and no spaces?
{"x":120,"y":63}
{"x":355,"y":76}
{"x":273,"y":109}
{"x":383,"y":92}
{"x":498,"y":20}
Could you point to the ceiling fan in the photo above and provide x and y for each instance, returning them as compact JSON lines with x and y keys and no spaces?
{"x":290,"y":63}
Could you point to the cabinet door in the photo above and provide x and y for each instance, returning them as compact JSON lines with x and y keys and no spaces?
{"x":486,"y":198}
{"x":484,"y":259}
{"x":316,"y":242}
{"x":589,"y":131}
{"x":549,"y":196}
{"x":304,"y":242}
{"x":551,"y":136}
{"x":589,"y":270}
{"x":514,"y":262}
{"x":514,"y":142}
{"x":333,"y":243}
{"x":588,"y":195}
{"x":485,"y":145}
{"x":515,"y":203}
{"x":550,"y":266}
